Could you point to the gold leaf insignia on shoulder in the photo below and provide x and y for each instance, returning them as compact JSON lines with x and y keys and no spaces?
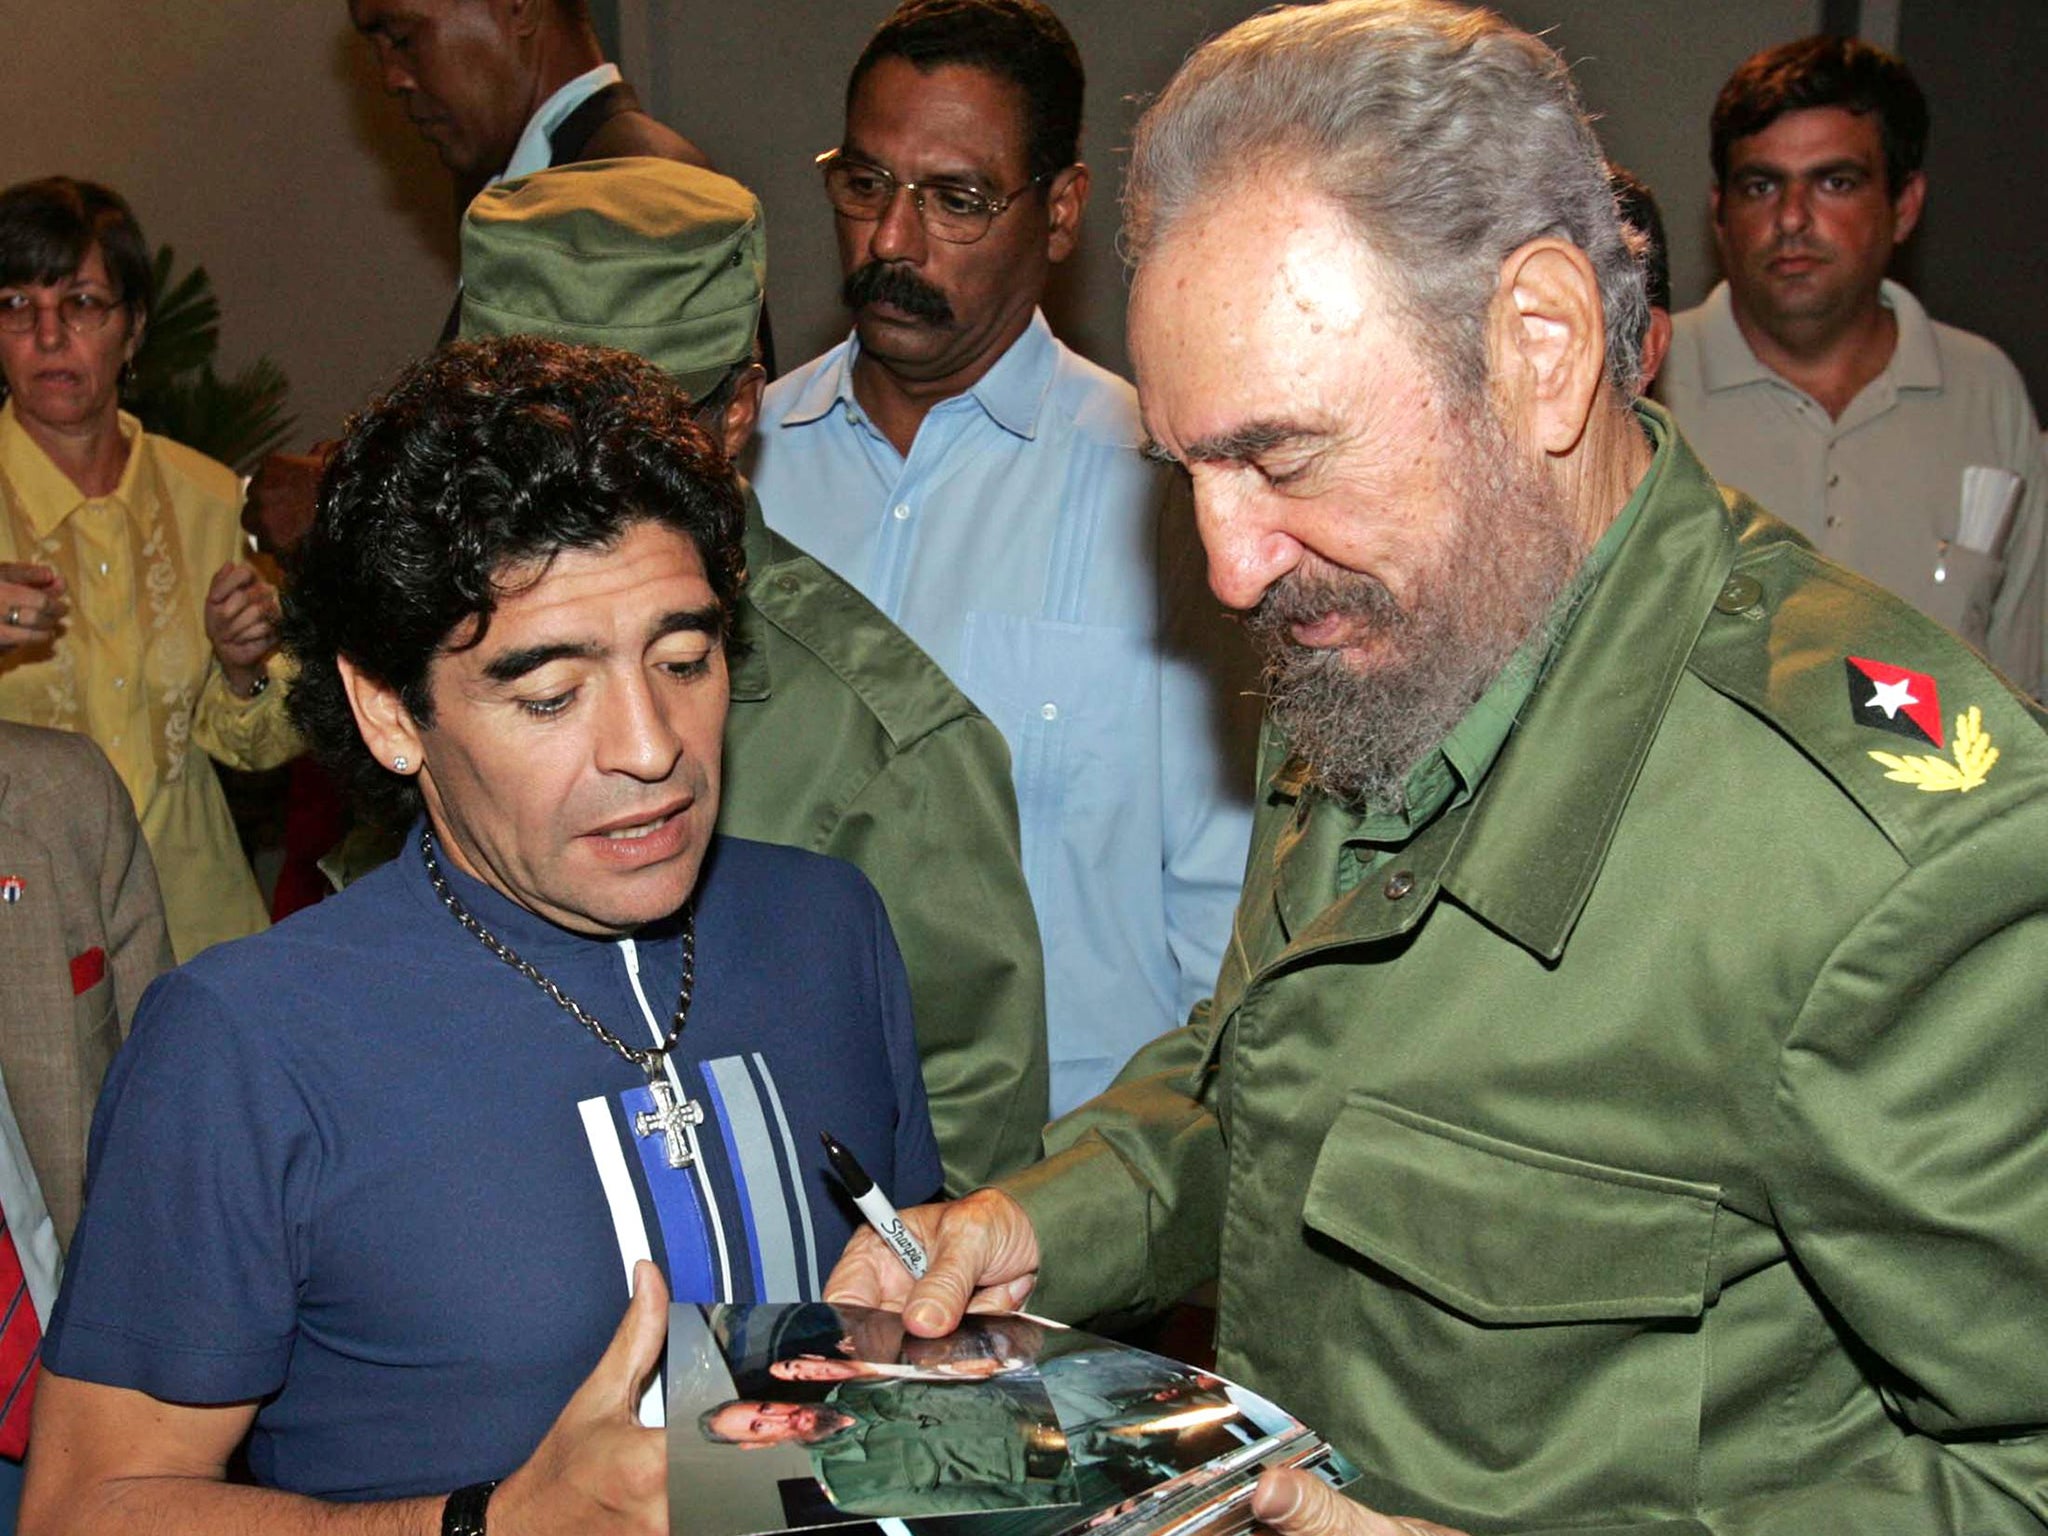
{"x":1971,"y":763}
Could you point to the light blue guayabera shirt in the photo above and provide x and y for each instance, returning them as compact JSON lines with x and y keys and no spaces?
{"x":1055,"y":575}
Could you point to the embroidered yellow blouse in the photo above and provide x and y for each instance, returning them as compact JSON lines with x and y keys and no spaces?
{"x":132,"y":668}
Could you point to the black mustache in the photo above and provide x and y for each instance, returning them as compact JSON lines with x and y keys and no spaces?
{"x":885,"y":282}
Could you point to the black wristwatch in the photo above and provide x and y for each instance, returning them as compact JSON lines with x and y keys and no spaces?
{"x":256,"y":689}
{"x":463,"y":1514}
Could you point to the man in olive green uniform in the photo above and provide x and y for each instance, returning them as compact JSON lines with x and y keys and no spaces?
{"x":844,"y":737}
{"x":900,"y":1447}
{"x":1620,"y":1109}
{"x":916,"y":1448}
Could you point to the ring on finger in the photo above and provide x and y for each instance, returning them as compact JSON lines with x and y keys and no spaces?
{"x":14,"y":616}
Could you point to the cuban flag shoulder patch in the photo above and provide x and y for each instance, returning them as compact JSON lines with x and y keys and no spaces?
{"x":1894,"y":699}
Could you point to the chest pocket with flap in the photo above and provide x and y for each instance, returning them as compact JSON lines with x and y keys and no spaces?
{"x":1542,"y":1326}
{"x":1508,"y":1234}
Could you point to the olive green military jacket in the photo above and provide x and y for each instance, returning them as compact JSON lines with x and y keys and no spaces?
{"x":919,"y":1448}
{"x":1659,"y":1142}
{"x":846,"y":739}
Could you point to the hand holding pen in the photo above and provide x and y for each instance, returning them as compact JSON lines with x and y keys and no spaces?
{"x":875,"y":1206}
{"x":980,"y":1254}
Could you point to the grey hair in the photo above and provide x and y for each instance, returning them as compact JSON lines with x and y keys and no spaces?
{"x":1447,"y":137}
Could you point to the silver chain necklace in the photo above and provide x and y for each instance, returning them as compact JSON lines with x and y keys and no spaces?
{"x":672,"y":1116}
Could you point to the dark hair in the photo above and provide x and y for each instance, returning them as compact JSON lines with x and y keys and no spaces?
{"x":1637,"y":207}
{"x":484,"y":457}
{"x":47,"y":227}
{"x":1824,"y":71}
{"x":1020,"y":41}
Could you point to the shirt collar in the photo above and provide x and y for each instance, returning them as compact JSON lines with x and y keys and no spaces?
{"x":1728,"y":363}
{"x":1012,"y":392}
{"x":533,"y":150}
{"x":1916,"y":361}
{"x":47,"y":493}
{"x":1540,"y":832}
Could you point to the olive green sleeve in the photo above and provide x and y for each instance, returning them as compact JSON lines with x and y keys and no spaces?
{"x":936,"y":831}
{"x":1971,"y":1489}
{"x":1915,"y":1190}
{"x":1129,"y":1200}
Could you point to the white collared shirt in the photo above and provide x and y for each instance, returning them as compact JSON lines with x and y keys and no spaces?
{"x":534,"y":149}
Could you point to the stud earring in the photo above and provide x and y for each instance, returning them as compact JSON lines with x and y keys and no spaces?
{"x":400,"y":764}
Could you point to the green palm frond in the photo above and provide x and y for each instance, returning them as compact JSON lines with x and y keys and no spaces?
{"x":183,"y":329}
{"x":235,"y":420}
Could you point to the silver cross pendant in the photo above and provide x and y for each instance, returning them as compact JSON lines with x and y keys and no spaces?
{"x":669,"y":1119}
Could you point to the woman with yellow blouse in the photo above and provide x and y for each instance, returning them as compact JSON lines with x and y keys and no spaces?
{"x":124,"y":613}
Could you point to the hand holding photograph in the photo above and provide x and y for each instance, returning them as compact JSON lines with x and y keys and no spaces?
{"x":788,"y":1416}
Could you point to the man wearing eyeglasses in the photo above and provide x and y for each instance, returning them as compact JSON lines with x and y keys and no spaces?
{"x":983,"y":486}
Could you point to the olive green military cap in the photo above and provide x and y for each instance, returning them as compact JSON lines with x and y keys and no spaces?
{"x":664,"y":260}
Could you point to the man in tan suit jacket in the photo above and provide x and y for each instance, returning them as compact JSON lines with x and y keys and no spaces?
{"x":81,"y":934}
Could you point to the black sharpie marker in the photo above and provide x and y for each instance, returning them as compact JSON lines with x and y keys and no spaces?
{"x":875,"y":1206}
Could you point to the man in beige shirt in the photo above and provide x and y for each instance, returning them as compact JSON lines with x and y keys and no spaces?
{"x":1825,"y":391}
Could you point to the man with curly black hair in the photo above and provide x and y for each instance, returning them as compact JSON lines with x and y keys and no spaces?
{"x":364,"y":1189}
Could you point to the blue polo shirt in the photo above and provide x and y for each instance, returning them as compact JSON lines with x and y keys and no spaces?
{"x":359,"y":1170}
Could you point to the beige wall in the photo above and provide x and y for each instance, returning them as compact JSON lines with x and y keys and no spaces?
{"x":250,"y":135}
{"x":1650,"y":70}
{"x":1976,"y":261}
{"x":761,"y":86}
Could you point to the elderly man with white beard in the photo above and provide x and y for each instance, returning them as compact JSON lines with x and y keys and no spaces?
{"x":1619,"y":1108}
